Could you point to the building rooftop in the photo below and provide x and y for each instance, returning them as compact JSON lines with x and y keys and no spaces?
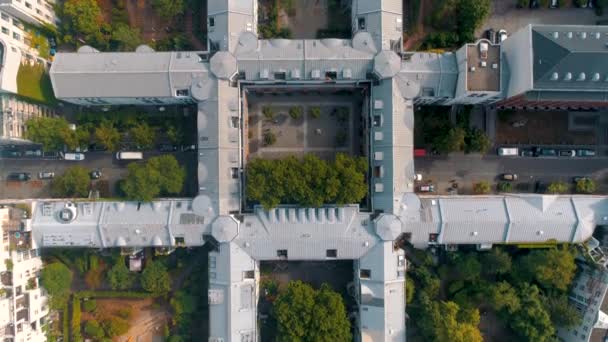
{"x":483,"y":66}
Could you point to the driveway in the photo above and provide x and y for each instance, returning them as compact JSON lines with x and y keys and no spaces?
{"x":467,"y":169}
{"x":112,"y":171}
{"x":505,"y":15}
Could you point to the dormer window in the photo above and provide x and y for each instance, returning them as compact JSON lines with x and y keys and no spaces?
{"x":182,"y":92}
{"x":211,"y":22}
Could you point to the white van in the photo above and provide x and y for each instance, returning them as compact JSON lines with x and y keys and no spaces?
{"x":508,"y":151}
{"x":73,"y":156}
{"x":129,"y":156}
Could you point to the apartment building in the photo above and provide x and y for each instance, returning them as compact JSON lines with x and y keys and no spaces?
{"x":23,"y":303}
{"x":35,"y":12}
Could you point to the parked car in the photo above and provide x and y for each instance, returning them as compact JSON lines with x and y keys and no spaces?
{"x":509,"y":176}
{"x":96,"y":148}
{"x":15,"y":153}
{"x":579,"y":178}
{"x":540,"y":187}
{"x":502,"y":36}
{"x":527,"y":153}
{"x":167,"y":148}
{"x":508,"y":151}
{"x":547,"y":152}
{"x":186,"y":148}
{"x":46,"y":175}
{"x":73,"y":156}
{"x":95,"y":174}
{"x":19,"y":176}
{"x":585,"y":153}
{"x":426,"y":188}
{"x":567,"y":153}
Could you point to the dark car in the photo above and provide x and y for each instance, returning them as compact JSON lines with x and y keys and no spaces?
{"x":97,"y":148}
{"x":567,"y":153}
{"x":585,"y":153}
{"x":491,"y":35}
{"x":527,"y":153}
{"x":533,"y":3}
{"x":19,"y":176}
{"x":186,"y":148}
{"x":547,"y":152}
{"x":540,"y":187}
{"x":167,"y":148}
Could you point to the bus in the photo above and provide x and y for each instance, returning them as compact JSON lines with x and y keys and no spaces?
{"x":129,"y":156}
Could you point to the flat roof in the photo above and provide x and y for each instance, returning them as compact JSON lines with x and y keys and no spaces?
{"x":483,"y":67}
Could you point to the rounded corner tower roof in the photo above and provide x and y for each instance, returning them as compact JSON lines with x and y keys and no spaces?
{"x":387,"y":64}
{"x":224,"y":229}
{"x":388,"y":227}
{"x":223,"y":65}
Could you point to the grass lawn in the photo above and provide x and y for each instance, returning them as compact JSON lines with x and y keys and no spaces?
{"x":34,"y":83}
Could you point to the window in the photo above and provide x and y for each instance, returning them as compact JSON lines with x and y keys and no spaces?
{"x":180,"y":241}
{"x":378,"y":171}
{"x":38,"y":11}
{"x":5,"y":17}
{"x":212,"y":262}
{"x":234,"y":172}
{"x":331,"y":75}
{"x":433,"y":237}
{"x":331,"y":253}
{"x":28,"y":5}
{"x":377,"y":120}
{"x":365,"y":274}
{"x":5,"y":31}
{"x":182,"y":92}
{"x":280,"y":75}
{"x":242,"y":75}
{"x":248,"y":274}
{"x":361,"y":23}
{"x":211,"y":22}
{"x":234,"y":121}
{"x":16,"y":36}
{"x":282,"y":253}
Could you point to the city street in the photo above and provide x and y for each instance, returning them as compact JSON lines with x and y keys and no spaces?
{"x":468,"y":169}
{"x":111,"y":169}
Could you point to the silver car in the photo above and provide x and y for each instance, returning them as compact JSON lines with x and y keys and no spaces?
{"x":46,"y":175}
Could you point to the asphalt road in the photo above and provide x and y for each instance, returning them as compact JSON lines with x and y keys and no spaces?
{"x":469,"y":169}
{"x":112,"y":171}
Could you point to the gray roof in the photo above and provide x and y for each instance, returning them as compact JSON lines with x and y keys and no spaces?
{"x":125,"y":74}
{"x":428,"y":75}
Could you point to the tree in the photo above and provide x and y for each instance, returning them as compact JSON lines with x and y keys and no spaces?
{"x":315,"y":112}
{"x":142,"y":183}
{"x":458,"y":325}
{"x":94,"y":330}
{"x":496,"y":262}
{"x":410,"y":289}
{"x":503,"y":296}
{"x":84,"y":16}
{"x":557,"y":188}
{"x":482,"y":187}
{"x":452,"y":141}
{"x":470,"y":15}
{"x":531,"y":321}
{"x":175,"y":134}
{"x":269,"y":138}
{"x":352,"y":186}
{"x":478,"y":141}
{"x":168,"y":9}
{"x":305,"y":314}
{"x":115,"y":326}
{"x":119,"y":276}
{"x":172,"y":175}
{"x":50,"y":132}
{"x":585,"y":186}
{"x":57,"y":280}
{"x":504,"y":187}
{"x":554,"y":268}
{"x":125,"y":37}
{"x":143,"y":135}
{"x":155,"y":278}
{"x":107,"y":135}
{"x":295,"y":112}
{"x":467,"y":267}
{"x":74,"y":182}
{"x":562,"y":313}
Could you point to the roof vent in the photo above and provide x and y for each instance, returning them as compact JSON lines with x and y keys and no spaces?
{"x":597,"y":35}
{"x":555,"y":35}
{"x":554,"y":76}
{"x":568,"y":76}
{"x":584,"y":35}
{"x":596,"y":77}
{"x":569,"y":35}
{"x":581,"y":76}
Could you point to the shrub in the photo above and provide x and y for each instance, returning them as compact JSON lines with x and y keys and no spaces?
{"x":268,"y":113}
{"x":295,"y":112}
{"x":557,"y":188}
{"x":269,"y":138}
{"x":94,"y":330}
{"x":315,"y":112}
{"x":585,"y":186}
{"x":115,"y":326}
{"x":90,"y":305}
{"x":9,"y":264}
{"x":125,"y":313}
{"x":155,"y":278}
{"x":93,"y":262}
{"x":76,"y":319}
{"x":482,"y":187}
{"x":504,"y":187}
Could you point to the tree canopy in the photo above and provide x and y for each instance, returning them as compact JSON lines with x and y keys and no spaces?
{"x":155,"y":278}
{"x":305,"y":314}
{"x":119,"y":276}
{"x":160,"y":175}
{"x":57,"y":280}
{"x":554,"y":268}
{"x":310,"y":182}
{"x":74,"y":182}
{"x":531,"y":321}
{"x":52,"y":133}
{"x":107,"y":135}
{"x":557,"y":188}
{"x":126,"y":38}
{"x":585,"y":186}
{"x":84,"y":17}
{"x":143,"y":135}
{"x":470,"y":15}
{"x":168,"y":8}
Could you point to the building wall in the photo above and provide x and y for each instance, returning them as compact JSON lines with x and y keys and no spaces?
{"x":522,"y":102}
{"x":14,"y":112}
{"x":33,"y":11}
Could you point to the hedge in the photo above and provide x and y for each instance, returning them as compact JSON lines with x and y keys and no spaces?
{"x":66,"y":323}
{"x":113,"y":294}
{"x":76,"y":316}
